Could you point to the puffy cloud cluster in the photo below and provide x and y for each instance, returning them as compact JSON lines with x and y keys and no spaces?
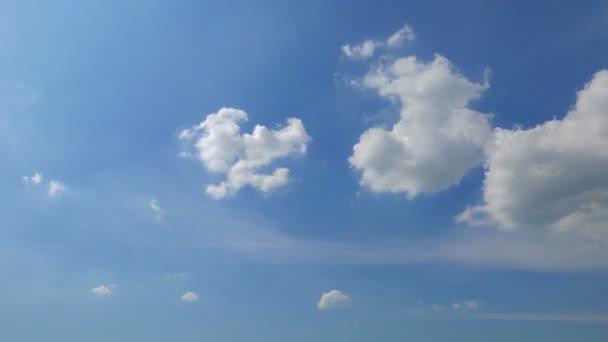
{"x":367,"y":48}
{"x":54,"y":187}
{"x":437,"y":139}
{"x":219,"y":144}
{"x":34,"y":179}
{"x":333,"y":299}
{"x":554,"y":174}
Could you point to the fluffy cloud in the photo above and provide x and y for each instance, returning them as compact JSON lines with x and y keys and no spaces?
{"x":367,"y":48}
{"x":34,"y":179}
{"x":190,"y":296}
{"x":437,"y":139}
{"x":220,"y":146}
{"x":333,"y":299}
{"x":101,"y":290}
{"x":554,"y":174}
{"x":56,"y":188}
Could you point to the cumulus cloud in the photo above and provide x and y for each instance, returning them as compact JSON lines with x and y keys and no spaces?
{"x":155,"y":207}
{"x":333,"y":299}
{"x":552,"y":175}
{"x":101,"y":290}
{"x":190,"y":296}
{"x":437,"y":139}
{"x":56,"y":188}
{"x":367,"y":48}
{"x":35,"y":179}
{"x":406,"y":33}
{"x":222,"y":148}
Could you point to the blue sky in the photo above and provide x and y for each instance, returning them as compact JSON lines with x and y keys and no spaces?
{"x":370,"y":171}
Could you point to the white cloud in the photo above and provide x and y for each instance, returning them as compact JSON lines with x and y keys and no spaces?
{"x":101,"y":290}
{"x":333,"y":299}
{"x":158,"y":211}
{"x":190,"y":296}
{"x":437,"y":139}
{"x":363,"y":50}
{"x":56,"y":188}
{"x":367,"y":48}
{"x":34,"y":179}
{"x":466,"y":305}
{"x":406,"y":33}
{"x":219,"y":144}
{"x":552,"y":175}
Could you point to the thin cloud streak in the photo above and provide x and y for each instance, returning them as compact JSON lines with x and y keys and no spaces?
{"x":480,"y":249}
{"x":577,"y":317}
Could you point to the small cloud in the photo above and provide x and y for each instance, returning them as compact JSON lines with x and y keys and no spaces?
{"x":466,"y":305}
{"x":333,"y":299}
{"x":102,"y":290}
{"x":158,"y":211}
{"x":190,"y":296}
{"x":406,"y":33}
{"x":34,"y":179}
{"x":363,"y":50}
{"x":368,"y":48}
{"x":56,"y":188}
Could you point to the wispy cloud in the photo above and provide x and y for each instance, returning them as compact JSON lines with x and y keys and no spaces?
{"x":158,"y":211}
{"x":35,"y":179}
{"x":472,"y":309}
{"x":549,"y":317}
{"x":56,"y":188}
{"x":511,"y":250}
{"x":368,"y":48}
